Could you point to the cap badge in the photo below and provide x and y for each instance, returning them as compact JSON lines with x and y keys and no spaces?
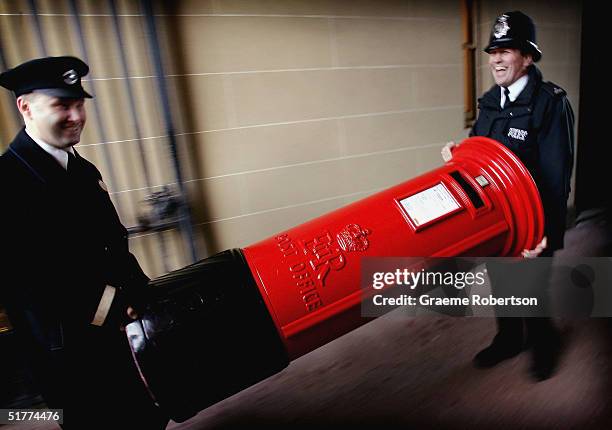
{"x":70,"y":77}
{"x":501,"y":27}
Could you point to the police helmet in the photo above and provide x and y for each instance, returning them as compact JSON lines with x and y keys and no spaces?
{"x":514,"y":30}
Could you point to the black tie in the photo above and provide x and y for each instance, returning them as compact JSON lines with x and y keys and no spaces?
{"x":71,"y":162}
{"x":507,"y":100}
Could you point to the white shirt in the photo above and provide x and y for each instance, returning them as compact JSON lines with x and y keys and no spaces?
{"x":60,"y":155}
{"x":515,"y":89}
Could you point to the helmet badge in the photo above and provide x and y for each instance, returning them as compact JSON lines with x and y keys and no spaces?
{"x":501,"y":27}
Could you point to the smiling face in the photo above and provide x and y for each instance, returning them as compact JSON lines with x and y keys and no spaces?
{"x":508,"y":65}
{"x":57,"y":121}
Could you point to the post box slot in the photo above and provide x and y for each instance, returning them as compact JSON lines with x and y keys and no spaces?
{"x":469,"y":190}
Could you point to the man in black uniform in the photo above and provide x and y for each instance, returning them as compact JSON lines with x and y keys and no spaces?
{"x":70,"y":281}
{"x":534,"y":119}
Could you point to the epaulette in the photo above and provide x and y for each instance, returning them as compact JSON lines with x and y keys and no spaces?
{"x":553,"y":89}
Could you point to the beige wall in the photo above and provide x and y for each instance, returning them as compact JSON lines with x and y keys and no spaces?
{"x":304,"y":106}
{"x":284,"y":110}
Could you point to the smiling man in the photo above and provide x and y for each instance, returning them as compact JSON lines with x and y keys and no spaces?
{"x":534,"y":119}
{"x":69,"y":278}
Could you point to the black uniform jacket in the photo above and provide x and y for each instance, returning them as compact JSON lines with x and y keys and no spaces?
{"x":538,"y":127}
{"x":62,"y":243}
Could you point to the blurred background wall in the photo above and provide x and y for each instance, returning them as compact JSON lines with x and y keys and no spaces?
{"x":281,"y":110}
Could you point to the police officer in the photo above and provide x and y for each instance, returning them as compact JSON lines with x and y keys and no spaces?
{"x":70,"y":282}
{"x":534,"y":119}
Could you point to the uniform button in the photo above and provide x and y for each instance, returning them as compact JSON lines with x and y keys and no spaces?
{"x":106,"y":248}
{"x":511,"y":114}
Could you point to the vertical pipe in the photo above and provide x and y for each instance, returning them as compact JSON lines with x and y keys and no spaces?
{"x":101,"y":130}
{"x":41,"y":40}
{"x":135,"y":122}
{"x":128,"y":89}
{"x":185,"y":217}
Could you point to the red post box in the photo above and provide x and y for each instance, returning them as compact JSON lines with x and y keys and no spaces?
{"x":229,"y":321}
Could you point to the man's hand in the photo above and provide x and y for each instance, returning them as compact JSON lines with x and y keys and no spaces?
{"x":447,"y":149}
{"x":533,"y":253}
{"x":132,"y":315}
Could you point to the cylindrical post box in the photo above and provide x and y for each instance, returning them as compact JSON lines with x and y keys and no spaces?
{"x":226,"y":322}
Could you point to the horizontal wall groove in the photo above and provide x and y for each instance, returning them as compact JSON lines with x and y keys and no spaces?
{"x":280,"y":208}
{"x":288,"y":166}
{"x":246,"y":15}
{"x":306,"y":69}
{"x":273,"y":124}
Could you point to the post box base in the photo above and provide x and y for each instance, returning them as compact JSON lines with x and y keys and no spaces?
{"x":206,"y":337}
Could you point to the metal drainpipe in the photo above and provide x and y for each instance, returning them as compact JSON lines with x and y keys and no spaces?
{"x":130,"y":93}
{"x":135,"y":122}
{"x":101,"y":133}
{"x":185,"y":216}
{"x":41,"y":40}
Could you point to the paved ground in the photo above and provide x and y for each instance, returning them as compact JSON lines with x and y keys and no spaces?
{"x":416,"y":373}
{"x":397,"y":372}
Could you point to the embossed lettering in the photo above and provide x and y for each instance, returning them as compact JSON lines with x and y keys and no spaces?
{"x":286,"y":246}
{"x":324,"y":256}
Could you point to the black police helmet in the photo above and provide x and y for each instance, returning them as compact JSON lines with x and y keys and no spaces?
{"x":514,"y":30}
{"x":55,"y":76}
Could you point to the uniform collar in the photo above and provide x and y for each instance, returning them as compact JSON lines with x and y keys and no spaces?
{"x":516,"y":88}
{"x":535,"y":80}
{"x":492,"y":98}
{"x":35,"y":158}
{"x":60,"y":155}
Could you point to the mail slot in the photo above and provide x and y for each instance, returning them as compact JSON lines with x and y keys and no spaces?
{"x":226,"y":322}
